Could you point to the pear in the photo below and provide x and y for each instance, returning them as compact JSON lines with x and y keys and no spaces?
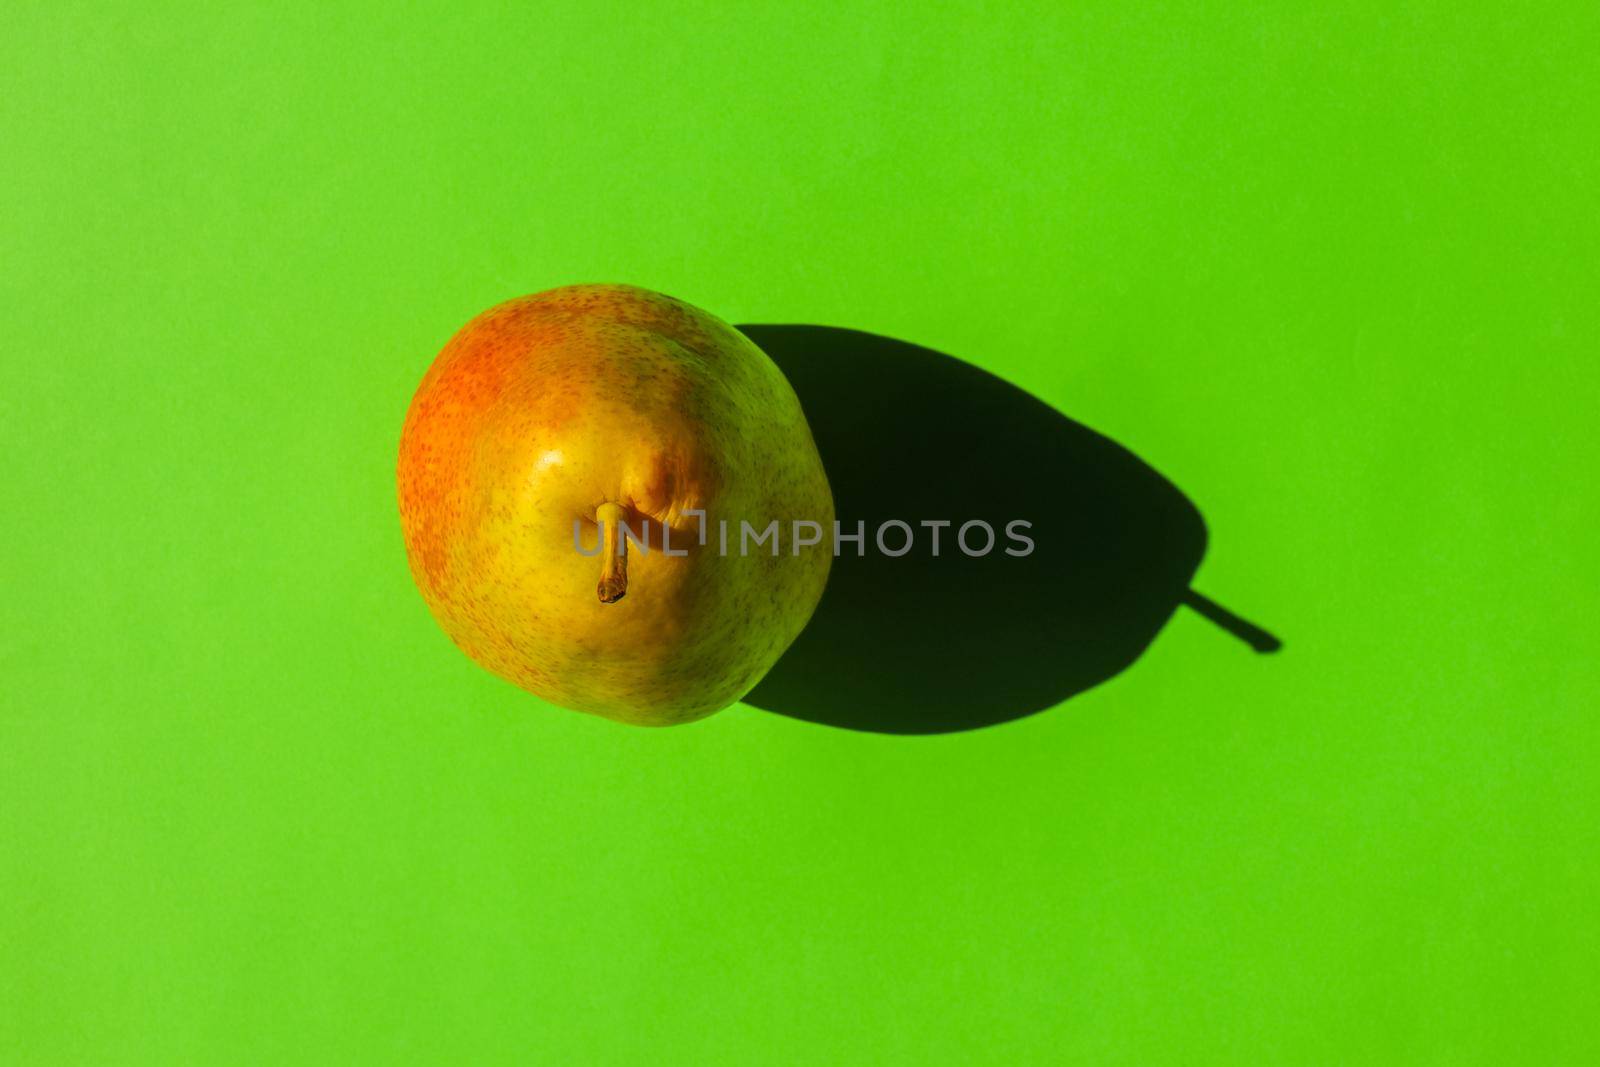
{"x":589,"y":479}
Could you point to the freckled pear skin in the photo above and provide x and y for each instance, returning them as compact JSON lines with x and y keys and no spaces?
{"x":604,"y":402}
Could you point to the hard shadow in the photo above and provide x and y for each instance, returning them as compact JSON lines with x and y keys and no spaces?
{"x":925,"y":643}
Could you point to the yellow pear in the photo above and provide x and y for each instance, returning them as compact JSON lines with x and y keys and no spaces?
{"x":612,"y":499}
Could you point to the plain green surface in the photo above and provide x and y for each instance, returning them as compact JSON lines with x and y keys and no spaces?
{"x":1332,"y":271}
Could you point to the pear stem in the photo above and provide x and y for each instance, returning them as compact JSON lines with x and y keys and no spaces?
{"x":613,"y":553}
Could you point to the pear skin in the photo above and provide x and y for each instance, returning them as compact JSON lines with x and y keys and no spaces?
{"x":552,"y":427}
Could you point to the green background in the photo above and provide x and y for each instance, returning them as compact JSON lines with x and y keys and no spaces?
{"x":1332,"y":271}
